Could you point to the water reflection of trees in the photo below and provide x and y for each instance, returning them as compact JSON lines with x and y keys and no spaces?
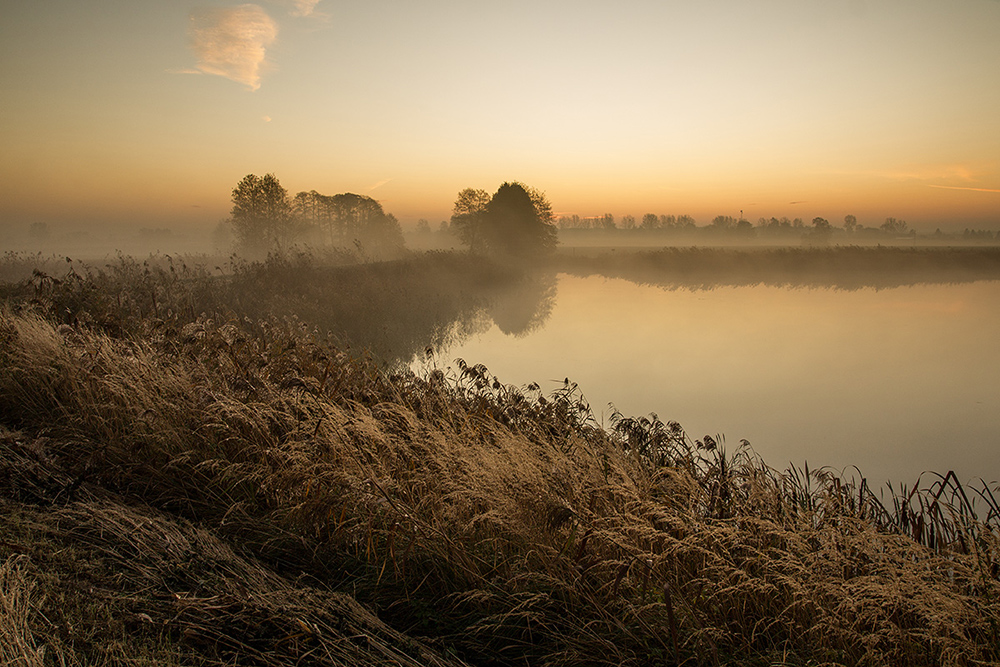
{"x":396,"y":310}
{"x":847,"y":268}
{"x":524,"y":306}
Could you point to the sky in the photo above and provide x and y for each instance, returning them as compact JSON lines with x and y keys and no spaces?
{"x":149,"y":112}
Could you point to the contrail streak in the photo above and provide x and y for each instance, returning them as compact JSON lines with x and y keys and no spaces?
{"x":958,"y":187}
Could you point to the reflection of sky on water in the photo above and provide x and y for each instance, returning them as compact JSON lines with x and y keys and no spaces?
{"x":895,"y":381}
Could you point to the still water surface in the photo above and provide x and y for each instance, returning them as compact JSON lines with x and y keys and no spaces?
{"x":893,"y":381}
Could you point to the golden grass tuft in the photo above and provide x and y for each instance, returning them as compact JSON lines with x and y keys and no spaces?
{"x":17,"y":642}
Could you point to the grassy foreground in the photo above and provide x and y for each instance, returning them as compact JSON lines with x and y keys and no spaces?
{"x":185,"y":485}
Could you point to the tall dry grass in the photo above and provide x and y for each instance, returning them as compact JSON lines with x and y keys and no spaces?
{"x":389,"y":310}
{"x":501,"y":523}
{"x":234,"y":489}
{"x":17,"y":642}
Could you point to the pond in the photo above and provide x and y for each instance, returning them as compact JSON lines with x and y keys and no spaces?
{"x":893,"y":381}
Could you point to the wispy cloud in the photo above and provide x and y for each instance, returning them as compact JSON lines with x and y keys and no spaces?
{"x":971,"y":175}
{"x":233,"y":42}
{"x":304,"y":7}
{"x":957,"y":187}
{"x":943,"y":172}
{"x":945,"y":176}
{"x":379,"y":184}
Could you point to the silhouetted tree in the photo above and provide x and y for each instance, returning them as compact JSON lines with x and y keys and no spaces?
{"x":893,"y":226}
{"x":686,"y":222}
{"x":723,"y":222}
{"x":518,"y":224}
{"x":468,"y":216}
{"x":822,"y":230}
{"x":850,"y":223}
{"x":542,"y":206}
{"x":821,"y":225}
{"x":262,"y":214}
{"x":516,"y":221}
{"x":744,"y":228}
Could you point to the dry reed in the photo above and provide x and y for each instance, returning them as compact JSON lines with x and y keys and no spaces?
{"x":244,"y":485}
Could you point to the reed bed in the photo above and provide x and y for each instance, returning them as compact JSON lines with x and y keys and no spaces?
{"x":196,"y":489}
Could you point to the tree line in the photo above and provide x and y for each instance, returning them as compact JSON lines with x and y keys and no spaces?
{"x":651,"y":222}
{"x":516,"y":221}
{"x":264,"y":219}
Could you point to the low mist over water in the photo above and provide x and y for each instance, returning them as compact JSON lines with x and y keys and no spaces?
{"x":895,"y":381}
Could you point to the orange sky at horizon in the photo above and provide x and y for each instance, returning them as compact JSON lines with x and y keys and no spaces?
{"x":149,"y":113}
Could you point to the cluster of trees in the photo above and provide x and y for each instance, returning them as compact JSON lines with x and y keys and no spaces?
{"x":349,"y":219}
{"x":978,"y":235}
{"x":822,"y":228}
{"x":515,"y":222}
{"x":265,"y":218}
{"x":607,"y":221}
{"x":733,"y":226}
